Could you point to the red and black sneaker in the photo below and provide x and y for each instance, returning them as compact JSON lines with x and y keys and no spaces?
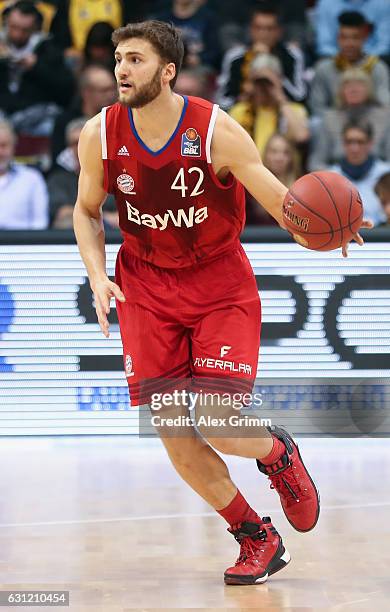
{"x":298,"y":494}
{"x":261,"y":554}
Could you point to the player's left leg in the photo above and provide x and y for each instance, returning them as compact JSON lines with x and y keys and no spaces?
{"x":283,"y":465}
{"x":225,"y":345}
{"x":262,"y":552}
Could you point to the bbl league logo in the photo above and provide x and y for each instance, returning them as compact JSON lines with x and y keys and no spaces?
{"x":125,"y":183}
{"x":190,"y":143}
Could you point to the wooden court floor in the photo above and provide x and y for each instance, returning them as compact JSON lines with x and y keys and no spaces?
{"x":109,"y":520}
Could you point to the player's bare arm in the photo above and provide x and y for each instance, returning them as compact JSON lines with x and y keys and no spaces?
{"x":88,"y":221}
{"x":234,"y":150}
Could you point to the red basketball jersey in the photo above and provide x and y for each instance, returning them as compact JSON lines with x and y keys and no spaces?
{"x":173,"y":210}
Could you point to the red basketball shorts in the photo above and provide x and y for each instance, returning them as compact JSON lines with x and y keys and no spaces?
{"x":198,"y":325}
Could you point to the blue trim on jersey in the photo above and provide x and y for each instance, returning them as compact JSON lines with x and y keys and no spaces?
{"x":141,"y":142}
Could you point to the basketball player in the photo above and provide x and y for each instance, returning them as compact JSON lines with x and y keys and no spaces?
{"x":187,"y":300}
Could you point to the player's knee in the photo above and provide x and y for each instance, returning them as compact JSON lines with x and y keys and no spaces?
{"x":227,"y":446}
{"x":183,"y":451}
{"x":214,"y":424}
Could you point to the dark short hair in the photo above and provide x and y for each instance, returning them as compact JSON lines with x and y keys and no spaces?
{"x":383,"y":184}
{"x":363,"y":126}
{"x":100,"y":35}
{"x":164,"y":38}
{"x":265,"y":8}
{"x":352,"y":19}
{"x":26,"y":8}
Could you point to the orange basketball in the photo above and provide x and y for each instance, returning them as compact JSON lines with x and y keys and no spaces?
{"x":323,"y":210}
{"x":191,"y":134}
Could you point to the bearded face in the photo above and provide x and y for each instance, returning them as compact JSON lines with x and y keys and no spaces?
{"x":138,"y":95}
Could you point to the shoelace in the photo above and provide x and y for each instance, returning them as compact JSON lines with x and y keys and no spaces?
{"x":287,"y":484}
{"x":249,"y":548}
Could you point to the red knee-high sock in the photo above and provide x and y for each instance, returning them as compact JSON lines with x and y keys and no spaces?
{"x":238,"y":511}
{"x":277,"y":451}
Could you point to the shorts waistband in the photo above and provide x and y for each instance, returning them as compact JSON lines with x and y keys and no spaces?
{"x":232,"y":248}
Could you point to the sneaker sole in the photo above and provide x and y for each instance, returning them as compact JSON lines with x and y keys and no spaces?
{"x":312,"y":482}
{"x":280,"y":563}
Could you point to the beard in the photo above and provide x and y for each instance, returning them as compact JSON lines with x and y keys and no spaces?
{"x":146,"y":93}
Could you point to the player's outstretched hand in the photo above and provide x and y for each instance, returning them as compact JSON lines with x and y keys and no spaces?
{"x":357,"y":237}
{"x":103,"y":291}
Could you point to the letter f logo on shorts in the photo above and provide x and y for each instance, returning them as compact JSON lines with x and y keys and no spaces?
{"x":225,"y":350}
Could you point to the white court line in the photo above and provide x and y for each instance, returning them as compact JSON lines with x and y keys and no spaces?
{"x":156,"y":517}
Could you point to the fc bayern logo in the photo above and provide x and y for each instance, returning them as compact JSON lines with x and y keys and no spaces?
{"x":191,"y":134}
{"x":129,"y":366}
{"x":125,"y":183}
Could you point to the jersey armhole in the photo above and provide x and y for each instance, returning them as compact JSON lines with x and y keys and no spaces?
{"x":209,"y":137}
{"x":103,"y":139}
{"x":210,"y":131}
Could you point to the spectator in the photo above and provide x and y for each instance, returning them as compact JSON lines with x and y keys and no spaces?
{"x":99,"y":48}
{"x":293,"y":20}
{"x":63,"y":182}
{"x":97,"y":87}
{"x":233,"y":21}
{"x":75,"y":18}
{"x":356,"y":101}
{"x":265,"y":37}
{"x":376,"y":12}
{"x":267,"y":109}
{"x":353,"y":32}
{"x":137,"y":10}
{"x":47,"y":9}
{"x":33,"y":74}
{"x":23,"y":194}
{"x":382,"y":190}
{"x":282,"y":159}
{"x":192,"y":82}
{"x":234,"y":16}
{"x":361,"y":167}
{"x":198,"y":25}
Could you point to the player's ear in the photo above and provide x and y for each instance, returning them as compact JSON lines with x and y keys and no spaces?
{"x":169,"y":72}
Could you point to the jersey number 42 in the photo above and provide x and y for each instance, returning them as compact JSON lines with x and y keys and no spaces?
{"x":180,"y":182}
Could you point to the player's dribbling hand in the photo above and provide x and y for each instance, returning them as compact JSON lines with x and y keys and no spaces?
{"x":357,"y":237}
{"x":103,"y":291}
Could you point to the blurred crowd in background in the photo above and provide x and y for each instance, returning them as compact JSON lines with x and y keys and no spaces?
{"x":308,"y":80}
